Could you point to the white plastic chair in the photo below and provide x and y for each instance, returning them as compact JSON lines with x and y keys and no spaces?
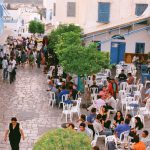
{"x":52,"y":99}
{"x":129,"y":101}
{"x":67,"y":111}
{"x":89,"y":132}
{"x":94,"y":90}
{"x":138,"y":92}
{"x":123,"y":86}
{"x":124,"y":137}
{"x":115,"y":109}
{"x":111,"y":138}
{"x":97,"y":135}
{"x":145,"y":111}
{"x":76,"y":109}
{"x":63,"y":98}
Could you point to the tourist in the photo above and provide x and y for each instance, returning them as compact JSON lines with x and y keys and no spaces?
{"x":115,"y":88}
{"x":82,"y":128}
{"x":137,"y":127}
{"x":97,"y":103}
{"x":110,"y":101}
{"x":5,"y":66}
{"x":122,"y":128}
{"x":97,"y":124}
{"x":15,"y":132}
{"x":82,"y":119}
{"x":138,"y":145}
{"x":38,"y":59}
{"x":110,"y":86}
{"x":71,"y":126}
{"x":91,"y":118}
{"x":31,"y":59}
{"x":105,"y":116}
{"x":23,"y":58}
{"x":122,"y":77}
{"x":118,"y":119}
{"x":130,"y":79}
{"x":12,"y":69}
{"x":63,"y":91}
{"x":145,"y":137}
{"x":103,"y":93}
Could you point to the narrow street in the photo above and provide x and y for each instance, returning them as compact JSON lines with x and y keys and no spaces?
{"x":27,"y":99}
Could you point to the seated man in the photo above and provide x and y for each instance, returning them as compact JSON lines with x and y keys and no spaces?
{"x":138,"y":145}
{"x":122,"y":77}
{"x":83,"y":129}
{"x":97,"y":103}
{"x":94,"y":86}
{"x":110,"y":101}
{"x":62,"y":92}
{"x":145,"y":137}
{"x":122,"y":128}
{"x":91,"y":118}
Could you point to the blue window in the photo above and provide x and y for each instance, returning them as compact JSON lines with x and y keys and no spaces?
{"x":140,"y":48}
{"x":103,"y":12}
{"x":140,"y":8}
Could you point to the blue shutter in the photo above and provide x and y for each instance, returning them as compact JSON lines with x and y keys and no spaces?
{"x":1,"y":11}
{"x":140,"y":8}
{"x":103,"y":12}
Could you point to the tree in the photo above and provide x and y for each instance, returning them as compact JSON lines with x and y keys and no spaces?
{"x":32,"y":27}
{"x":40,"y":28}
{"x":65,"y":43}
{"x":78,"y":59}
{"x":36,"y":27}
{"x":63,"y":28}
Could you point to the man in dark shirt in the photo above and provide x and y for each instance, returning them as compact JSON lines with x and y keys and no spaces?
{"x":122,"y":77}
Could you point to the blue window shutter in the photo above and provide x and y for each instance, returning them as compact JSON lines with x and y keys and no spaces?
{"x":140,"y":8}
{"x":1,"y":11}
{"x":103,"y":12}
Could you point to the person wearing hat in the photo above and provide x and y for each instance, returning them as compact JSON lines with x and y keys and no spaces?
{"x":15,"y":132}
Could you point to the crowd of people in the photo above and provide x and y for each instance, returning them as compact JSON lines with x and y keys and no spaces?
{"x":99,"y":120}
{"x":18,"y":52}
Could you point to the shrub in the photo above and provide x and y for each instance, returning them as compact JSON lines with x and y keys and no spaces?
{"x":63,"y":139}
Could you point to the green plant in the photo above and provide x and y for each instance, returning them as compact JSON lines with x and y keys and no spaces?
{"x":36,"y":27}
{"x":63,"y":139}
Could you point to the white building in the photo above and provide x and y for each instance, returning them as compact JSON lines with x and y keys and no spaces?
{"x":18,"y":19}
{"x":120,"y":26}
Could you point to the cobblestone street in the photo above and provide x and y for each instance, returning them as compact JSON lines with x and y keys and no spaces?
{"x":27,"y":99}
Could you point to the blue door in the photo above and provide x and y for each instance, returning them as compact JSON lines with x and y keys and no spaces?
{"x":117,"y":52}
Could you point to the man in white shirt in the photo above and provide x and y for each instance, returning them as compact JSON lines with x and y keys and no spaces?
{"x":97,"y":103}
{"x":110,"y":101}
{"x":11,"y":69}
{"x":145,"y":137}
{"x":5,"y":66}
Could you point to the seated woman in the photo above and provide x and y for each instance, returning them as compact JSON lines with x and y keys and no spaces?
{"x":105,"y":116}
{"x":137,"y":127}
{"x":118,"y":119}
